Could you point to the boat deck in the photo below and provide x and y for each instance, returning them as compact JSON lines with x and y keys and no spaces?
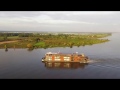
{"x":65,"y":61}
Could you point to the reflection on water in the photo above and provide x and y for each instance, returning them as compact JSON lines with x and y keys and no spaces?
{"x":30,"y":49}
{"x":26,"y":63}
{"x":6,"y":49}
{"x":65,"y":65}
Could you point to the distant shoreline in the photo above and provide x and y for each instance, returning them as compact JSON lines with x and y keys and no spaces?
{"x":38,"y":40}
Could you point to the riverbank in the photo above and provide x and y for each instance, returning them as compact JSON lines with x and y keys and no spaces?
{"x":5,"y":42}
{"x":49,"y":41}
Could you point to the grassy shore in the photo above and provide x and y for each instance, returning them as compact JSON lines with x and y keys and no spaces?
{"x":48,"y":41}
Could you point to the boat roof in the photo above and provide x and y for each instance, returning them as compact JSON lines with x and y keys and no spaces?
{"x":62,"y":53}
{"x":51,"y":53}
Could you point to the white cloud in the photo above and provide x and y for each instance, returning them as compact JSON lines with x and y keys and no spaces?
{"x":116,"y":24}
{"x":66,"y":20}
{"x":70,"y":13}
{"x":90,"y":13}
{"x":42,"y":19}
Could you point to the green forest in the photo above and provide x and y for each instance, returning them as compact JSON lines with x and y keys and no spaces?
{"x":37,"y":40}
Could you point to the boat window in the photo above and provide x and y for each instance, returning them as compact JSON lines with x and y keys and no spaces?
{"x":67,"y":57}
{"x":50,"y":57}
{"x":57,"y":57}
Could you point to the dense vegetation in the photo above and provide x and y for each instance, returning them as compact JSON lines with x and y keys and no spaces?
{"x":31,"y":40}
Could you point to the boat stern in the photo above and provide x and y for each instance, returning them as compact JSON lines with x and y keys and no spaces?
{"x":43,"y":59}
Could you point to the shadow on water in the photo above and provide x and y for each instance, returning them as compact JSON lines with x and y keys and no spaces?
{"x":30,"y":49}
{"x":64,"y":65}
{"x":6,"y":49}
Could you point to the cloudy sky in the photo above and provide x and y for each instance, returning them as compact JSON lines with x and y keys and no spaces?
{"x":68,"y":21}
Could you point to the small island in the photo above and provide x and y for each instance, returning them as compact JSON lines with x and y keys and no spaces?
{"x":50,"y":40}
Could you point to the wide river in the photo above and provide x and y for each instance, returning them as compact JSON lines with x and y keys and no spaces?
{"x":24,"y":64}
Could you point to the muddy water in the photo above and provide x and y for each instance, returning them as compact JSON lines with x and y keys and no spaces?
{"x":105,"y":62}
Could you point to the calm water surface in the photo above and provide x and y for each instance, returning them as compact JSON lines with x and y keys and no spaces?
{"x":24,"y":64}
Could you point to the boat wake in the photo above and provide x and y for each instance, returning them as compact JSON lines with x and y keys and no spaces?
{"x":93,"y":61}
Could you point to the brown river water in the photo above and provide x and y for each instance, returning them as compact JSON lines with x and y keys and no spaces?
{"x":24,"y":64}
